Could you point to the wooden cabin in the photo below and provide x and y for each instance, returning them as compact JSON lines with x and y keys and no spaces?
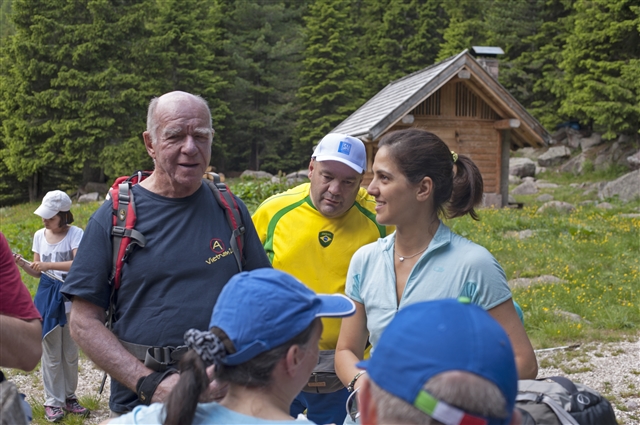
{"x":463,"y":103}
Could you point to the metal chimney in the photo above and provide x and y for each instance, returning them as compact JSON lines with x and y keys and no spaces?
{"x":488,"y":58}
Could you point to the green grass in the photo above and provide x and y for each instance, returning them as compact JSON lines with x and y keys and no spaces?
{"x":595,"y":251}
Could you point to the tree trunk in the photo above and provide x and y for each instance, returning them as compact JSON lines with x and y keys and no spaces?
{"x":33,"y":188}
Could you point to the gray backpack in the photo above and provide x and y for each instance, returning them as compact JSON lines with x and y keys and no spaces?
{"x":558,"y":401}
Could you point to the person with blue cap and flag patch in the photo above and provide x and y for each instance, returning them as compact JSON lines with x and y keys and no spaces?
{"x":262,"y":342}
{"x":439,"y":362}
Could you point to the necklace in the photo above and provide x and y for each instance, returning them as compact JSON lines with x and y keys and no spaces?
{"x":403,"y":257}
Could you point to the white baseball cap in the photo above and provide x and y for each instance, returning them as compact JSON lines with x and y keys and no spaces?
{"x":52,"y":203}
{"x":342,"y":148}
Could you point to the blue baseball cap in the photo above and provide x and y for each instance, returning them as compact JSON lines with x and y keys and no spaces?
{"x":342,"y":148}
{"x":429,"y":338}
{"x":264,"y":308}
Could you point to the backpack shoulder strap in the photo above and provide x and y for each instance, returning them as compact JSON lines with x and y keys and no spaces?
{"x":225,"y":199}
{"x":124,"y":236}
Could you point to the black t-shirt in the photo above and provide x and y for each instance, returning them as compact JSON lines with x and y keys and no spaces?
{"x":171,"y":284}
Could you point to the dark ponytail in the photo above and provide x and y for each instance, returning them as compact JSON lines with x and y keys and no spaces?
{"x":180,"y":407}
{"x":467,"y":189}
{"x":419,"y":153}
{"x":183,"y":399}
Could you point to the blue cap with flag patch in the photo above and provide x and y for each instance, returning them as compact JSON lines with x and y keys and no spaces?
{"x":342,"y":148}
{"x":432,"y":337}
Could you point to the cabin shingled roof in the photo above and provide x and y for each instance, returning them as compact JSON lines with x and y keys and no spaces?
{"x":399,"y":97}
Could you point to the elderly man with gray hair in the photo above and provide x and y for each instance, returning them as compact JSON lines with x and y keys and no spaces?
{"x":439,"y":362}
{"x":171,"y":284}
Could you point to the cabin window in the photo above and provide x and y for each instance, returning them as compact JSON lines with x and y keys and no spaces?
{"x":430,"y":106}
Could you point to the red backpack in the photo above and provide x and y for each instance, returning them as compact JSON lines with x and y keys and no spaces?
{"x":125,"y":237}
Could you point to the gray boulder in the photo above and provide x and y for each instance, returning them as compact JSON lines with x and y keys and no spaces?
{"x":522,"y":167}
{"x":545,"y":197}
{"x":546,"y":185}
{"x":514,"y":179}
{"x":530,"y":153}
{"x":626,"y":187}
{"x":573,"y":138}
{"x":574,"y":165}
{"x":297,"y":177}
{"x":523,"y":234}
{"x":559,"y":206}
{"x":526,"y":188}
{"x":570,"y":316}
{"x":554,"y":156}
{"x":525,"y":282}
{"x":101,"y":188}
{"x":298,"y":174}
{"x":587,"y":143}
{"x":256,"y":174}
{"x":89,"y":197}
{"x":559,"y":137}
{"x":634,"y":161}
{"x":604,"y":206}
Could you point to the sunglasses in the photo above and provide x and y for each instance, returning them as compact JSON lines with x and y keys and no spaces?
{"x":352,"y":406}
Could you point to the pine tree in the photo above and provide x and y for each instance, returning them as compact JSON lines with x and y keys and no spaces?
{"x":330,"y":84}
{"x":184,"y":45}
{"x":6,"y":26}
{"x":466,"y":26}
{"x":264,"y":48}
{"x":601,"y":61}
{"x":69,"y":90}
{"x":532,"y":34}
{"x":399,"y":37}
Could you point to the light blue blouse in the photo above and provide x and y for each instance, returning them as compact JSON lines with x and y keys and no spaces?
{"x":451,"y":267}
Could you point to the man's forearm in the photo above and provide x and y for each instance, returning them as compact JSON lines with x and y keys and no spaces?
{"x":102,"y":346}
{"x":20,"y":343}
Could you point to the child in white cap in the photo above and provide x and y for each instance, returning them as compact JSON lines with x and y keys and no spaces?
{"x":54,"y":248}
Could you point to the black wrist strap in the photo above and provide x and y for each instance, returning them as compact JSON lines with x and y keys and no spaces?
{"x":147,"y":385}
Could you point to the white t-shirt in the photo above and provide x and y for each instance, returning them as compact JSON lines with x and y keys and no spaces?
{"x":206,"y":413}
{"x":58,"y":252}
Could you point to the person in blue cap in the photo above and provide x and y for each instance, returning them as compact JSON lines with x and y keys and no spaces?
{"x":263,"y":342}
{"x":439,"y":362}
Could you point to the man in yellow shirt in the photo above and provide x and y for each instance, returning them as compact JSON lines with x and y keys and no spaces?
{"x":311,"y":231}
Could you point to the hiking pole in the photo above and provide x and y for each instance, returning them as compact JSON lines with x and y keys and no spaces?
{"x":104,"y":380}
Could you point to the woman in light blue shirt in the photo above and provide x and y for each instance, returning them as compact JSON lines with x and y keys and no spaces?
{"x":417,"y":180}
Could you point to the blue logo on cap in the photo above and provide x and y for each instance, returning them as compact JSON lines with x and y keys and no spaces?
{"x":344,"y":148}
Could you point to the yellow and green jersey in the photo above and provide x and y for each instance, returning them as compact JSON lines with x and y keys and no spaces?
{"x":317,"y":250}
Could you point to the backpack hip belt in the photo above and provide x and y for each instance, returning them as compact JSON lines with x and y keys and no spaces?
{"x":158,"y":359}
